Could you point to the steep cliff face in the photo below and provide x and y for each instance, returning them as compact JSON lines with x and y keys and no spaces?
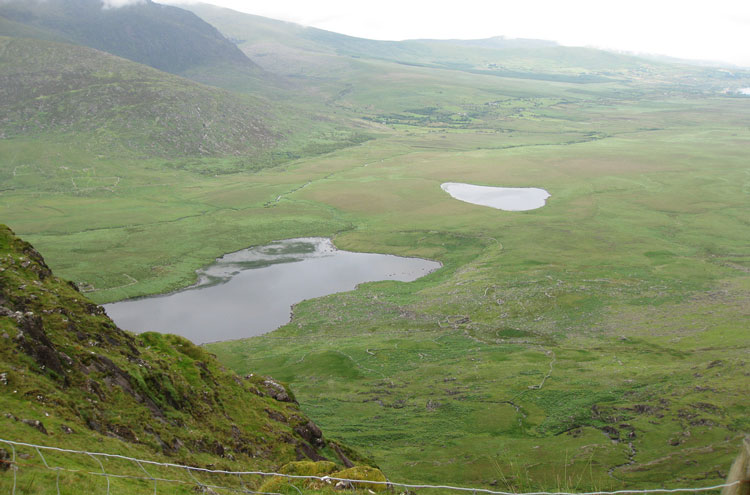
{"x":69,"y":376}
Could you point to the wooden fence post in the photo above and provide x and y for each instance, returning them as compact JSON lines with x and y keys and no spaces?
{"x":740,"y":471}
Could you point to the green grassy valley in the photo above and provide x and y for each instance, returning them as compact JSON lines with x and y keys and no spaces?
{"x":597,"y":343}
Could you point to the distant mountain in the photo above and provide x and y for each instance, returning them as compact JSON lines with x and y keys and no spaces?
{"x":289,"y":49}
{"x":164,"y":37}
{"x":48,"y":87}
{"x":499,"y":43}
{"x":292,"y":49}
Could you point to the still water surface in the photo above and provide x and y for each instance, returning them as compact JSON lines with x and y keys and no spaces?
{"x":251,"y":292}
{"x":501,"y":198}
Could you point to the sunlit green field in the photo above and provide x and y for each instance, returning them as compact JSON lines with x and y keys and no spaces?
{"x":599,"y":342}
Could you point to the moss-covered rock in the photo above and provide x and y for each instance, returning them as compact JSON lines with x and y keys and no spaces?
{"x":363,"y":473}
{"x":323,"y":469}
{"x":300,"y":468}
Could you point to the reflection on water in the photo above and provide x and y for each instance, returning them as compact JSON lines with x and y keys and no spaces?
{"x":286,"y":251}
{"x":251,"y":292}
{"x":501,"y":198}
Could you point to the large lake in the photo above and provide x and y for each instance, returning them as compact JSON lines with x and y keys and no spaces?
{"x":251,"y":292}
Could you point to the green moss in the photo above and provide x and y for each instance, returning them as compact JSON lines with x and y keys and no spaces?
{"x":321,"y":469}
{"x":364,"y":473}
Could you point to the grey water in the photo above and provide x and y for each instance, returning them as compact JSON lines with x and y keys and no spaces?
{"x":251,"y":292}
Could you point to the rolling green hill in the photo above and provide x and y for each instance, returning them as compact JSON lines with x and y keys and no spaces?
{"x":61,"y":93}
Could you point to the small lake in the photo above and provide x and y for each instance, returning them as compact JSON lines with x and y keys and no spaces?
{"x":251,"y":292}
{"x":502,"y":198}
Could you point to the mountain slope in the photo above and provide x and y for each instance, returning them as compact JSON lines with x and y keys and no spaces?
{"x":70,"y":377}
{"x":164,"y":37}
{"x":52,"y":87}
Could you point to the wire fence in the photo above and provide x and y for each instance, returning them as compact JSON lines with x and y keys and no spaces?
{"x":14,"y":464}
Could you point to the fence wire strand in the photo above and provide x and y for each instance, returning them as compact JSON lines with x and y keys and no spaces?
{"x":147,"y":474}
{"x":104,"y":471}
{"x":13,"y":466}
{"x":198,"y":483}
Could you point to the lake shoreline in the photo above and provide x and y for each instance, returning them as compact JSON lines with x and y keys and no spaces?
{"x":253,"y":291}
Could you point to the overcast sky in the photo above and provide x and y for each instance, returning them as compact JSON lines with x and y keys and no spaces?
{"x":704,"y":30}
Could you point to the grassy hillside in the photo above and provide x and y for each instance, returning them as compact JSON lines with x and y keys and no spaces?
{"x":71,"y":378}
{"x":65,"y":89}
{"x":107,"y":106}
